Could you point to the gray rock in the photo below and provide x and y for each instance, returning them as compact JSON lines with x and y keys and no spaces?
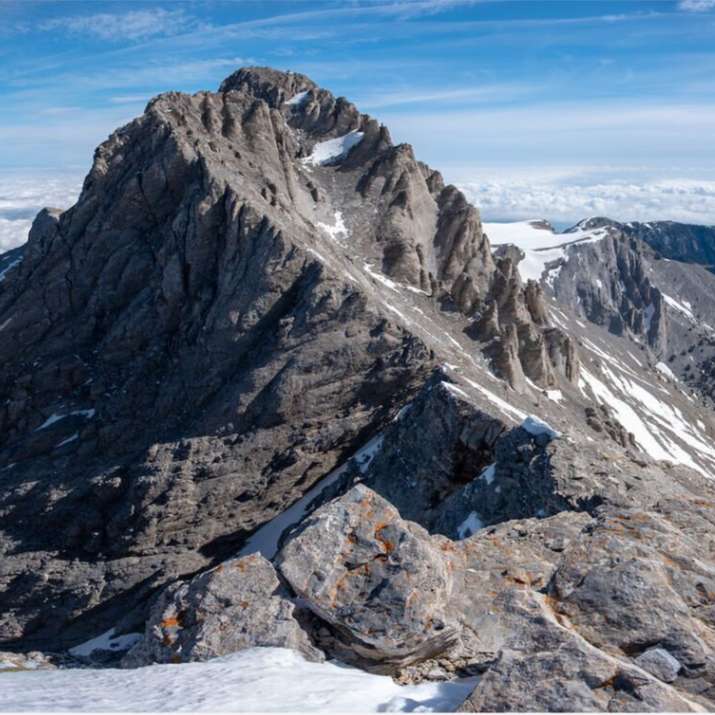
{"x":658,"y":662}
{"x":236,"y":605}
{"x":381,"y":582}
{"x":212,"y":352}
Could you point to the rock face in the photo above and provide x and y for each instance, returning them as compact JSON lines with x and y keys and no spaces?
{"x":677,"y":241}
{"x":610,"y":282}
{"x":626,"y":285}
{"x":520,"y":342}
{"x":238,"y":604}
{"x":162,"y":330}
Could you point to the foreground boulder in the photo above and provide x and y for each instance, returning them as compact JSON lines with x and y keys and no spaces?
{"x":237,"y":605}
{"x":381,"y":582}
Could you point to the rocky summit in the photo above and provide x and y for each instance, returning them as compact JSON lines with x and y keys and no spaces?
{"x":272,"y":383}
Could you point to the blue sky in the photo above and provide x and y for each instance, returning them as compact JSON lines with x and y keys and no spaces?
{"x":529,"y":105}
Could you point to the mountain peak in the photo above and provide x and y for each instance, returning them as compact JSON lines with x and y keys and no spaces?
{"x":591,"y":223}
{"x":271,"y":85}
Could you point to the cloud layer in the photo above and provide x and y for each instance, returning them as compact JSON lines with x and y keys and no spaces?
{"x":23,"y":195}
{"x":566,"y":202}
{"x":558,"y":195}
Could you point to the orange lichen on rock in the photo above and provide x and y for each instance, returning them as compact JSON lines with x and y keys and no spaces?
{"x":386,"y":543}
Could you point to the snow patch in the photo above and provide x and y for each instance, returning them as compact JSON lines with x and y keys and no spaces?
{"x":265,"y":541}
{"x":106,"y":641}
{"x":488,"y":473}
{"x":9,"y":267}
{"x":535,"y":426}
{"x":534,"y":264}
{"x":68,"y":440}
{"x":684,"y":308}
{"x":297,"y":99}
{"x":252,"y":680}
{"x":541,"y":246}
{"x":56,"y":418}
{"x":663,"y":369}
{"x":527,"y":235}
{"x":333,"y":149}
{"x":625,"y":414}
{"x":471,"y":525}
{"x":381,"y":278}
{"x":339,"y":228}
{"x":503,"y":405}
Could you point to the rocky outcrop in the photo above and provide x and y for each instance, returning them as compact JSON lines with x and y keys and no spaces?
{"x":676,"y":241}
{"x":609,"y":282}
{"x":177,"y":366}
{"x":33,"y":660}
{"x":626,"y":285}
{"x":601,"y":419}
{"x":262,"y":314}
{"x":513,"y":322}
{"x":577,"y":611}
{"x":238,"y":604}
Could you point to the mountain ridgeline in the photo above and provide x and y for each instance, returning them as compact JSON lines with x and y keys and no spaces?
{"x":271,"y":382}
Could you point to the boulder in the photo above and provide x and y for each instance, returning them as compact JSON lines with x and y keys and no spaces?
{"x":381,"y":582}
{"x":659,"y":662}
{"x":238,"y":604}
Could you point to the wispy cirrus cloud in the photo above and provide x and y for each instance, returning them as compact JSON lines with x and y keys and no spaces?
{"x":155,"y":74}
{"x":696,"y":5}
{"x":131,"y":25}
{"x":473,"y":94}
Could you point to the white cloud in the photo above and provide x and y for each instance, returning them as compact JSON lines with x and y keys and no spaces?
{"x":22,"y":195}
{"x":619,"y":132}
{"x":13,"y":233}
{"x":481,"y":93}
{"x":558,"y":194}
{"x":696,"y":5}
{"x":132,"y":25}
{"x":567,"y":199}
{"x":129,"y":99}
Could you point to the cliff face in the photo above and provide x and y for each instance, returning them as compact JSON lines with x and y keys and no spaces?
{"x":677,"y":241}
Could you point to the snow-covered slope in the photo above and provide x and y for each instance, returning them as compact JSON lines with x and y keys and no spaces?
{"x":543,"y":248}
{"x":254,"y":680}
{"x":620,"y":374}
